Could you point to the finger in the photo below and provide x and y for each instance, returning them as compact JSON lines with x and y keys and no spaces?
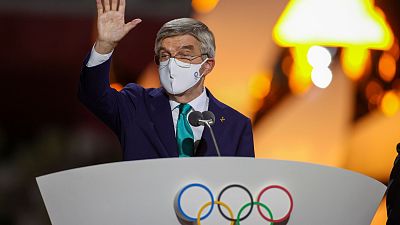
{"x":107,"y":5}
{"x":99,"y":7}
{"x":129,"y":26}
{"x":114,"y":4}
{"x":121,"y":7}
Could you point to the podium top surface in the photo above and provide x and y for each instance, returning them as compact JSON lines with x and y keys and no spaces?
{"x":144,"y":192}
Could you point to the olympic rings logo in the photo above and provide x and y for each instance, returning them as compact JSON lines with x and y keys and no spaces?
{"x":220,"y":204}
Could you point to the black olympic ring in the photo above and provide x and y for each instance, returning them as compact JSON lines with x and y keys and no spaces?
{"x":251,"y":201}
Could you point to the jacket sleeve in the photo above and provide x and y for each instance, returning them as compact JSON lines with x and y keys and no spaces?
{"x":246,"y":144}
{"x":97,"y":95}
{"x":393,"y":193}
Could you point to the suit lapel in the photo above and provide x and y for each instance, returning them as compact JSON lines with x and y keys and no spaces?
{"x":161,"y":115}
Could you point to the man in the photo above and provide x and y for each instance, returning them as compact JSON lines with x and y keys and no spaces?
{"x":393,"y":193}
{"x":152,"y":123}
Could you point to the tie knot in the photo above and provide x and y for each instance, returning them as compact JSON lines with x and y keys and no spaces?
{"x":184,"y":108}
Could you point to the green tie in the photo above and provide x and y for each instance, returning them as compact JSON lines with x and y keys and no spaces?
{"x":184,"y":133}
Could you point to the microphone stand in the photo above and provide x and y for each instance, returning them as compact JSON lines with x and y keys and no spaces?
{"x":207,"y":122}
{"x":205,"y":118}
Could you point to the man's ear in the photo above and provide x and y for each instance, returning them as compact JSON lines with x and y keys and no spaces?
{"x":208,"y":66}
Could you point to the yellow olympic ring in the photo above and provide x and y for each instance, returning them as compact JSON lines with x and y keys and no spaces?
{"x":218,"y":203}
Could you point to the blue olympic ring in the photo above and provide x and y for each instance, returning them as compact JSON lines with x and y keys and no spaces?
{"x":180,"y":197}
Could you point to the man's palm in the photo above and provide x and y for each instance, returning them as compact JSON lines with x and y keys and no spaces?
{"x":111,"y":24}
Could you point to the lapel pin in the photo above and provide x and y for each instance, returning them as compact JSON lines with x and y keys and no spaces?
{"x":222,"y":119}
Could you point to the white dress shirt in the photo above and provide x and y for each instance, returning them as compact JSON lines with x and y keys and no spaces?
{"x":198,"y":104}
{"x":97,"y":58}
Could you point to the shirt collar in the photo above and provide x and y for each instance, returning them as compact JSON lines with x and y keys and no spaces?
{"x":198,"y":104}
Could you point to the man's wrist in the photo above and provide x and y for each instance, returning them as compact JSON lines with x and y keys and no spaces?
{"x":104,"y":47}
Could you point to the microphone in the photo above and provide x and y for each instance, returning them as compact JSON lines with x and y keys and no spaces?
{"x":207,"y":119}
{"x":209,"y":116}
{"x":194,"y":118}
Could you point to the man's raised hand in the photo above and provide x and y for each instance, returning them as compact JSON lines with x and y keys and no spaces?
{"x":111,"y":26}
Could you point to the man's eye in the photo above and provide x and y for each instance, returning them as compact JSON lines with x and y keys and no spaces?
{"x":164,"y":56}
{"x":184,"y":57}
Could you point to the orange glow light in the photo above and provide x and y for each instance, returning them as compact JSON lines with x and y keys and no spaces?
{"x":387,"y":67}
{"x":204,"y":6}
{"x":374,"y":92}
{"x":116,"y":86}
{"x":286,"y":65}
{"x":395,"y":50}
{"x":260,"y":85}
{"x":390,"y":103}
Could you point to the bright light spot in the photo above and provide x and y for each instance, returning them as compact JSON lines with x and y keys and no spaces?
{"x":260,"y":85}
{"x":117,"y":86}
{"x":387,"y":67}
{"x":321,"y":77}
{"x":204,"y":6}
{"x":342,"y":23}
{"x":355,"y":62}
{"x":390,"y":103}
{"x":319,"y":56}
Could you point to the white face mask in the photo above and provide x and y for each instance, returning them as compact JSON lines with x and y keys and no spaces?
{"x":177,"y":79}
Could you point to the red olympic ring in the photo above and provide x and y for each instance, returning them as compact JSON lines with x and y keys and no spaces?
{"x":290,"y":199}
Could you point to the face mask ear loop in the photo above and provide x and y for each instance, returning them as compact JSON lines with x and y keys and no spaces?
{"x":201,"y":75}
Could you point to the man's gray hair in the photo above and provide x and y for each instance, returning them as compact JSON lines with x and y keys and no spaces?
{"x":190,"y":26}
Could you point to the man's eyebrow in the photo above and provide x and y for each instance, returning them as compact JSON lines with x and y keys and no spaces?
{"x":185,"y":47}
{"x":188,"y":47}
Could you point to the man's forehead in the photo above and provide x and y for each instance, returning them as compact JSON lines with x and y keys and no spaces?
{"x":176,"y":43}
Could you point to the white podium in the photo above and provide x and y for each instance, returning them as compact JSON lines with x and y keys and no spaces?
{"x":171,"y":191}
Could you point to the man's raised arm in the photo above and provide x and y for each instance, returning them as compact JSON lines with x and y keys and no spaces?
{"x":94,"y":87}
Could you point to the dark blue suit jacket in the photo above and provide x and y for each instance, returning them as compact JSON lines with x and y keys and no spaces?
{"x":393,"y":193}
{"x":142,"y":119}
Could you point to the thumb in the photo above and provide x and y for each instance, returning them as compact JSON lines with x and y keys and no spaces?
{"x":130,"y":25}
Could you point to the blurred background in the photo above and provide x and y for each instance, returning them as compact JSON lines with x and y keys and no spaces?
{"x":319,"y":79}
